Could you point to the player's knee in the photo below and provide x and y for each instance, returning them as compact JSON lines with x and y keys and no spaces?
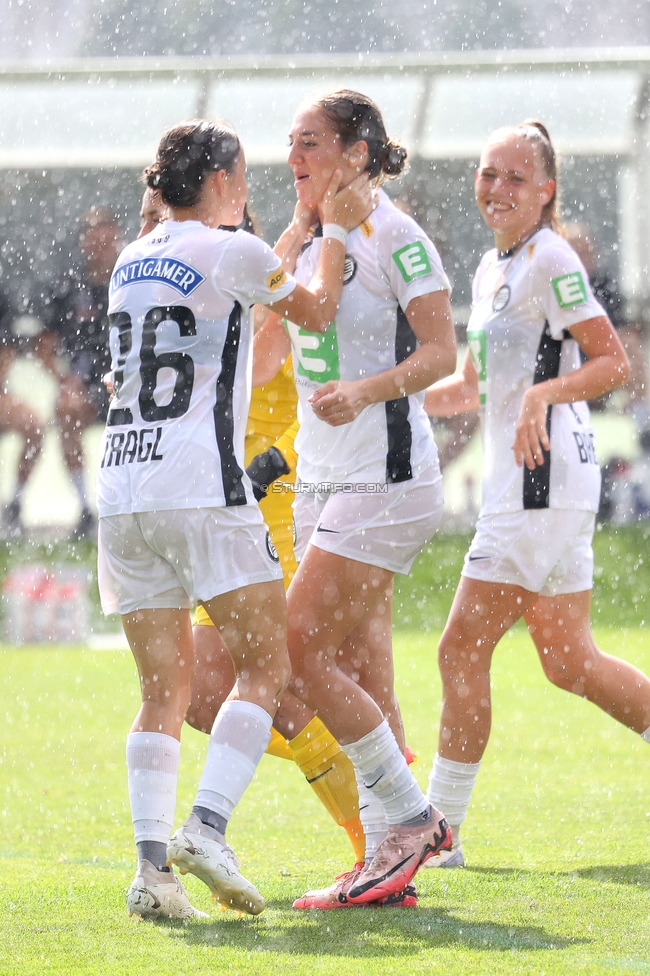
{"x":69,"y":407}
{"x":564,"y":673}
{"x":204,"y":705}
{"x":450,"y":655}
{"x":174,"y":694}
{"x":200,"y":717}
{"x":33,"y":434}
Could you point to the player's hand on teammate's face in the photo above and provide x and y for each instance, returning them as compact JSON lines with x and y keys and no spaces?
{"x":338,"y":402}
{"x":350,"y":204}
{"x":531,"y":434}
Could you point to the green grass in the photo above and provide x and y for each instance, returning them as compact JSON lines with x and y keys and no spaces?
{"x":422,"y":600}
{"x":621,"y":580}
{"x":557,"y":838}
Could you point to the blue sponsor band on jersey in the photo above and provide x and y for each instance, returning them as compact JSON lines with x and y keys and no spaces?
{"x":169,"y":271}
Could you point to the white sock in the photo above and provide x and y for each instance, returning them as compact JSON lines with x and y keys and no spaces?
{"x":646,"y":735}
{"x":79,"y":483}
{"x":239,"y":736}
{"x":372,"y":817}
{"x":383,"y":770}
{"x":450,"y":789}
{"x":152,"y":763}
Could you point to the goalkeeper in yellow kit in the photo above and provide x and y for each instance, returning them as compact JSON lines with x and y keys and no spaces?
{"x":270,"y":456}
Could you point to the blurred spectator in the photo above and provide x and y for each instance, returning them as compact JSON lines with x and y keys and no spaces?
{"x":19,"y":334}
{"x":632,"y":336}
{"x":78,"y":311}
{"x":580,"y":238}
{"x":452,"y":434}
{"x":626,"y":487}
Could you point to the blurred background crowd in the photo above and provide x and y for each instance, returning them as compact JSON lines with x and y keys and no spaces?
{"x":54,"y":353}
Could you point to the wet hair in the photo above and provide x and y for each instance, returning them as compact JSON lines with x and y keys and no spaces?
{"x":354,"y":117}
{"x":250,"y":222}
{"x":537,"y":134}
{"x":186,"y":154}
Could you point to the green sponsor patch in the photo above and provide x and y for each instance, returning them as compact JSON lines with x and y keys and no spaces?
{"x":317,"y":354}
{"x":570,"y":289}
{"x":477,"y":343}
{"x":412,"y":261}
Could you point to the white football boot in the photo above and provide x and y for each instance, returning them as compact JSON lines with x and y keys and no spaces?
{"x":158,"y":894}
{"x":202,"y":851}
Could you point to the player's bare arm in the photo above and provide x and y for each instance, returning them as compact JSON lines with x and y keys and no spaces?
{"x":338,"y":402}
{"x":271,"y":349}
{"x":455,"y":394}
{"x":606,"y":368}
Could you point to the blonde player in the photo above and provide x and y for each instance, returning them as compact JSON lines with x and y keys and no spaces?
{"x":531,"y":557}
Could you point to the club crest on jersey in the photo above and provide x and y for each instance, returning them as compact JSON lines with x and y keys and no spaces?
{"x":270,"y":548}
{"x":349,"y":269}
{"x":501,"y":298}
{"x":170,"y":271}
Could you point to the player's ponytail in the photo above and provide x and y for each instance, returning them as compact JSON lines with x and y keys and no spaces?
{"x":354,"y":117}
{"x":186,"y":153}
{"x":537,"y":132}
{"x":394,"y":161}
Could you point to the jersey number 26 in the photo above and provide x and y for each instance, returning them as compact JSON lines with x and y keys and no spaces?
{"x":150,"y":364}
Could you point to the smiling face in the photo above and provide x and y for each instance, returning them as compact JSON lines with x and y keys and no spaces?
{"x":512,"y":189}
{"x":316,"y":152}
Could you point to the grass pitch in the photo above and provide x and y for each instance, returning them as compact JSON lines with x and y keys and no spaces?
{"x":557,"y":838}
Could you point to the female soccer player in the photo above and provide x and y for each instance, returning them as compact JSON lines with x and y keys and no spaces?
{"x":270,"y":433}
{"x":370,"y":491}
{"x":178,"y":522}
{"x":531,"y":556}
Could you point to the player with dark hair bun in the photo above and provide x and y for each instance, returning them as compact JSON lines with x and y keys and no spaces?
{"x":178,"y":520}
{"x":353,"y":116}
{"x":370,"y":493}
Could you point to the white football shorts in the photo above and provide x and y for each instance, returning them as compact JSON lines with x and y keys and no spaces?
{"x":174,"y":559}
{"x":385,"y":528}
{"x":547,"y":551}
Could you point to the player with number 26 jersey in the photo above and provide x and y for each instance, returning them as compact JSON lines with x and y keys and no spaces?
{"x":180,"y":301}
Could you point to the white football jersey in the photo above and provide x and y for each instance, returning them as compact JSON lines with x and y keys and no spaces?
{"x":180,"y":305}
{"x":389,"y":261}
{"x":522,"y":307}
